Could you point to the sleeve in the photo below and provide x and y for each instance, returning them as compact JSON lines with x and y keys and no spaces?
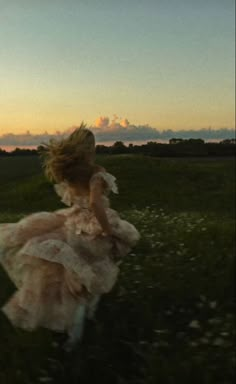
{"x":106,"y":179}
{"x":63,"y":191}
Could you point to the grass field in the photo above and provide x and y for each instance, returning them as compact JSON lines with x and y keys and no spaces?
{"x":170,"y":318}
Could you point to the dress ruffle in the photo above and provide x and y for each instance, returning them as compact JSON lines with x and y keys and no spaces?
{"x":52,"y":257}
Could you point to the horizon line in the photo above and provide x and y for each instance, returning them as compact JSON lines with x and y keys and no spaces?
{"x":108,"y":130}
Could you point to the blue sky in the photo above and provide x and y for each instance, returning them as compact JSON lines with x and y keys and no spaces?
{"x":169,"y":64}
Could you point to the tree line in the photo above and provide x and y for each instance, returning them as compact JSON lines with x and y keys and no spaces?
{"x":175,"y":148}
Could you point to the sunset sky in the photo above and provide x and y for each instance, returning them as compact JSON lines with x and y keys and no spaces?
{"x":166,"y":63}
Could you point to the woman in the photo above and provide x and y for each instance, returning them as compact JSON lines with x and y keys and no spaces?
{"x":62,"y":261}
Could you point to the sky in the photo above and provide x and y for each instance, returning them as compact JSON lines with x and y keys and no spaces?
{"x":165,"y":64}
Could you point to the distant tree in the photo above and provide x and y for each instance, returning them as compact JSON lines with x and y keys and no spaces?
{"x":175,"y":141}
{"x":195,"y":141}
{"x":102,"y":149}
{"x":119,"y":144}
{"x":40,"y":148}
{"x":228,"y":141}
{"x":119,"y":147}
{"x":23,"y":152}
{"x":3,"y":152}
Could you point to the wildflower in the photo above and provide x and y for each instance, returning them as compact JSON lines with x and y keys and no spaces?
{"x":213,"y":304}
{"x":218,"y":342}
{"x":194,"y":324}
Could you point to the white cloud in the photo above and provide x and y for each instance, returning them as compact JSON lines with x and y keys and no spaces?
{"x":124,"y":123}
{"x":102,"y":122}
{"x":117,"y":129}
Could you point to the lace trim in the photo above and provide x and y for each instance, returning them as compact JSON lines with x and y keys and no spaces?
{"x":62,"y":190}
{"x":68,"y":198}
{"x":109,"y":179}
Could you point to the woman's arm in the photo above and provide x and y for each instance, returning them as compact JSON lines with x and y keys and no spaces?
{"x":96,"y":204}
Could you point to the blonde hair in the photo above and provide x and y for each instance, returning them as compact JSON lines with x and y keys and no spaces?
{"x":67,"y":159}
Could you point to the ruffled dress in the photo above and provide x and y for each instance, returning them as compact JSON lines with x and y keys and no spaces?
{"x":54,"y":258}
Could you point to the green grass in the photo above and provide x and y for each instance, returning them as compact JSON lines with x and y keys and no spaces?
{"x":175,"y":185}
{"x":170,"y":318}
{"x":14,"y":169}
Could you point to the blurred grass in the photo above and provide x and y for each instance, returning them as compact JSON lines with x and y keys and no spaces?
{"x":172,"y":184}
{"x":170,"y":318}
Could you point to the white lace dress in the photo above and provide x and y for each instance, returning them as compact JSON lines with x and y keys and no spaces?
{"x":54,"y":257}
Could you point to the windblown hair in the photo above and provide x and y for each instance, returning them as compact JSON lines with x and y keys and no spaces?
{"x":67,"y":159}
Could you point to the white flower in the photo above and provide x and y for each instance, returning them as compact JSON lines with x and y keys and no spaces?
{"x":213,"y":304}
{"x":218,"y":342}
{"x":194,"y":324}
{"x":45,"y":379}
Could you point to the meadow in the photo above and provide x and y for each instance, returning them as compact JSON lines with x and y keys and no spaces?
{"x":170,"y":318}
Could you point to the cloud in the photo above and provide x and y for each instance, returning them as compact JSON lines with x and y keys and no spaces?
{"x":122,"y":130}
{"x":118,"y":129}
{"x":102,"y":122}
{"x":124,"y":123}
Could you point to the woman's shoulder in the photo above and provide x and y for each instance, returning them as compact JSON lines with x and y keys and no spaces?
{"x":102,"y":176}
